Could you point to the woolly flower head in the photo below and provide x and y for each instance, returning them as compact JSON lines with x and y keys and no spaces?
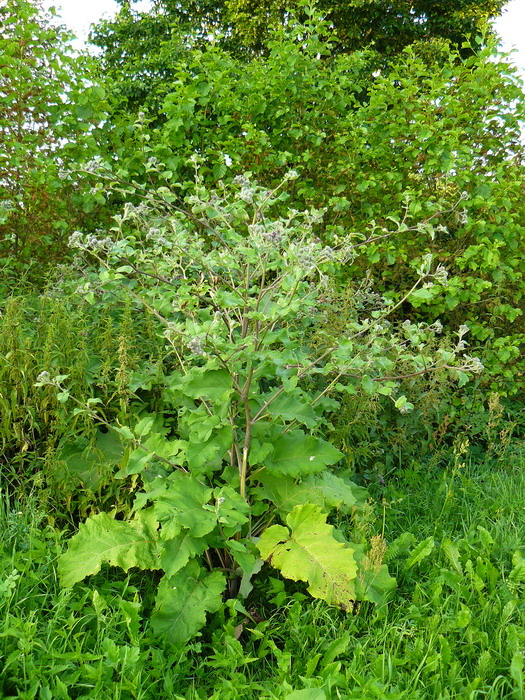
{"x":474,"y":364}
{"x":195,"y":346}
{"x":76,"y":240}
{"x":44,"y":378}
{"x":436,"y":327}
{"x":441,"y":275}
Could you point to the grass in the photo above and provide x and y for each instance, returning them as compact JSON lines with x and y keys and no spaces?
{"x":456,"y":628}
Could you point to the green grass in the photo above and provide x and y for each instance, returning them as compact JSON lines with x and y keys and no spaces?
{"x":456,"y":628}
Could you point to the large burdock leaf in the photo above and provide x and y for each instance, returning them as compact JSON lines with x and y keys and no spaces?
{"x":179,"y":549}
{"x":214,"y":384}
{"x":102,"y":540}
{"x":183,"y":601}
{"x":296,"y":453}
{"x":307,"y":551}
{"x":184,"y":501}
{"x":326,"y":490}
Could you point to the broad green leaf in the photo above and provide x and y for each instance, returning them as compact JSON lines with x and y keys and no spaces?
{"x":183,"y":501}
{"x":144,"y":426}
{"x":368,"y":384}
{"x":102,"y":540}
{"x":517,"y":575}
{"x":231,"y":510}
{"x":285,"y":493}
{"x":199,"y":453}
{"x":295,"y":454}
{"x":213,"y":384}
{"x":87,"y":462}
{"x":201,"y":425}
{"x":177,"y":551}
{"x":158,"y":444}
{"x":419,"y":553}
{"x":307,"y":694}
{"x":516,"y":672}
{"x":339,"y":492}
{"x":307,"y":551}
{"x":247,"y":557}
{"x":259,"y":451}
{"x":325,"y":489}
{"x":291,"y":407}
{"x":183,"y":601}
{"x":422,"y":294}
{"x":452,"y":553}
{"x":134,"y":463}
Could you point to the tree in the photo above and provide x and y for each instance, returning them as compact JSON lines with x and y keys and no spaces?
{"x":47,"y":105}
{"x":140,"y":49}
{"x":387,"y":25}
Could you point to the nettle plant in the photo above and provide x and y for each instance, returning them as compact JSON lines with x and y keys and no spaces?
{"x":236,"y":469}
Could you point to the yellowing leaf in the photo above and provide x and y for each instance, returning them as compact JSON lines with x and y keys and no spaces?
{"x":307,"y":551}
{"x":102,"y":540}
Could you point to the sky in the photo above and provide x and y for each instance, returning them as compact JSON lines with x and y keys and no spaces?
{"x":78,"y":16}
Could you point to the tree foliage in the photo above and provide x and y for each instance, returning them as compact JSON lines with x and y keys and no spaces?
{"x":387,"y":26}
{"x":47,"y":104}
{"x":388,"y":146}
{"x":140,"y":49}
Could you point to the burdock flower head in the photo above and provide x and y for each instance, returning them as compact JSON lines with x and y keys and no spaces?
{"x":195,"y":346}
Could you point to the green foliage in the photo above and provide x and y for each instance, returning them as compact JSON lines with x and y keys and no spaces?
{"x":140,"y":41}
{"x":47,"y":105}
{"x":106,"y":355}
{"x":455,"y":627}
{"x":387,"y":26}
{"x":306,"y":550}
{"x":393,"y":146}
{"x":202,"y":386}
{"x":235,"y":293}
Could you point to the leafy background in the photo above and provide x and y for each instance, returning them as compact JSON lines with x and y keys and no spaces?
{"x":248,"y":286}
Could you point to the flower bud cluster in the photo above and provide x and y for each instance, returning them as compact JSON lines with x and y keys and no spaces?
{"x":95,"y":166}
{"x":473,"y":364}
{"x":90,"y":242}
{"x":195,"y":346}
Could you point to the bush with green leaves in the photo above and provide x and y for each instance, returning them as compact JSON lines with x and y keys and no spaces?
{"x":238,"y":440}
{"x":366,"y":141}
{"x":50,"y":104}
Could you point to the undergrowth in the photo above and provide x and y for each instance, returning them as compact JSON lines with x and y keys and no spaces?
{"x":455,"y":629}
